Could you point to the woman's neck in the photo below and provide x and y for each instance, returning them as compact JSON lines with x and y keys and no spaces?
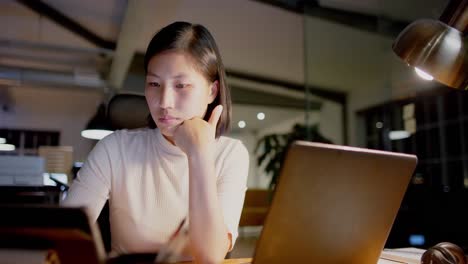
{"x":170,"y":139}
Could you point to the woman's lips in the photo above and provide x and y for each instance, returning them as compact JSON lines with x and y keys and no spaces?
{"x":168,"y":120}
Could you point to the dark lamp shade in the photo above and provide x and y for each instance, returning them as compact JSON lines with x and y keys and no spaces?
{"x":437,"y":49}
{"x":98,"y":127}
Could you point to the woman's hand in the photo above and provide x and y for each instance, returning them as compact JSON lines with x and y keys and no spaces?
{"x":208,"y":234}
{"x":196,"y":136}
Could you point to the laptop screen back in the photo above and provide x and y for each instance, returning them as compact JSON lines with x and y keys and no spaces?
{"x":68,"y":231}
{"x":333,"y":204}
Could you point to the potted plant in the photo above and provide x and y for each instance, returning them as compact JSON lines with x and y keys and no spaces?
{"x":272,"y":148}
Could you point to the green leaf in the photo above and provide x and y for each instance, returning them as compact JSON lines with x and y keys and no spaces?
{"x":275,"y":147}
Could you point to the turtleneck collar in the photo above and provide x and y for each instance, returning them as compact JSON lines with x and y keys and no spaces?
{"x":166,"y":146}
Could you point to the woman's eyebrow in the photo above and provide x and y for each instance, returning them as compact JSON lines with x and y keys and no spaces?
{"x":177,"y":76}
{"x":152,"y":74}
{"x":180,"y":75}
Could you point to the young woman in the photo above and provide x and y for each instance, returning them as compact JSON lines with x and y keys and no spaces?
{"x":184,"y":168}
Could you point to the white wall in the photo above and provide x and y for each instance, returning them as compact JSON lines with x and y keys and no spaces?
{"x":349,"y":60}
{"x":63,"y":110}
{"x":253,"y":37}
{"x":330,"y":121}
{"x":249,"y":140}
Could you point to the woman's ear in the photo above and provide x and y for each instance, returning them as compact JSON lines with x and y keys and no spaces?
{"x":214,"y":90}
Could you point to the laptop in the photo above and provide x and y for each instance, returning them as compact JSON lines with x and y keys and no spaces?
{"x":333,"y":204}
{"x":33,"y":233}
{"x":54,"y":234}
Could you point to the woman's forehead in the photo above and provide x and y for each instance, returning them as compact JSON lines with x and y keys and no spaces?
{"x":174,"y":65}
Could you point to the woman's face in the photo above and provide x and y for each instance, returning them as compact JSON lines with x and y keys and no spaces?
{"x":175,"y":91}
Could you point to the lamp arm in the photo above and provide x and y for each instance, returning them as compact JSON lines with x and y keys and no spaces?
{"x":455,"y":15}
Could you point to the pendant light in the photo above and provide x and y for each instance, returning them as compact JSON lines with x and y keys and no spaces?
{"x":99,"y":126}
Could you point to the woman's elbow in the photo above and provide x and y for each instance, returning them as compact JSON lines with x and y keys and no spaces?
{"x":208,"y":260}
{"x":207,"y":256}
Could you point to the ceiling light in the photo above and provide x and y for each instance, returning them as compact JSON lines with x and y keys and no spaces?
{"x":241,"y":124}
{"x":398,"y":134}
{"x":97,"y":134}
{"x":261,"y":116}
{"x":438,"y":47}
{"x":424,"y":75}
{"x":7,"y":147}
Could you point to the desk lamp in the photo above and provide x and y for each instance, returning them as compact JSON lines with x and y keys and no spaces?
{"x":438,"y":47}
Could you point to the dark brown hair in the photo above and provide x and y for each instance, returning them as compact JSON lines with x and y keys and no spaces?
{"x":196,"y":41}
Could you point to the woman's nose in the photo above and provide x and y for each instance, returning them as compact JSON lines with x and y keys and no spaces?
{"x":166,"y":99}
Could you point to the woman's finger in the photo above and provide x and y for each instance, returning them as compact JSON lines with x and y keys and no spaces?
{"x":215,"y":115}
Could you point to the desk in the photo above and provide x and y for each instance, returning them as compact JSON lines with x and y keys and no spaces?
{"x":149,"y":259}
{"x":234,"y":261}
{"x":249,"y":261}
{"x":238,"y":261}
{"x":30,"y":195}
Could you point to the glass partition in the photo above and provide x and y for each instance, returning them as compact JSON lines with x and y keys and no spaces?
{"x":387,"y":106}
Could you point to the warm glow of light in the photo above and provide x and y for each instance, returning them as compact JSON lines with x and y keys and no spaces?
{"x":423,"y":74}
{"x":398,"y":134}
{"x":241,"y":124}
{"x":7,"y":147}
{"x":261,"y":116}
{"x":97,"y":134}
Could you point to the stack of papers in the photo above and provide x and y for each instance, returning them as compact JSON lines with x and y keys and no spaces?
{"x":21,"y":170}
{"x":401,"y":255}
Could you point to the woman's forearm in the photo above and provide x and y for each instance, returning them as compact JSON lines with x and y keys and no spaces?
{"x":209,"y":241}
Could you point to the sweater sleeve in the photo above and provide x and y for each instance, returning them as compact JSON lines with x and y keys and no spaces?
{"x":92,"y":185}
{"x":231,"y":185}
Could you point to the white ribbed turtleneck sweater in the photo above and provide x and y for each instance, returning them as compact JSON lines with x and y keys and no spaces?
{"x":145,"y":178}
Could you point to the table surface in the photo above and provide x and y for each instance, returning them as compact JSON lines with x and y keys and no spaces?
{"x":238,"y":261}
{"x":234,"y":261}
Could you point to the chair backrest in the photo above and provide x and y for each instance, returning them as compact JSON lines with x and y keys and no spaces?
{"x":128,"y":111}
{"x":256,"y":204}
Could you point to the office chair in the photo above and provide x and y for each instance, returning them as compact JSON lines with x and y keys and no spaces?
{"x":256,"y":204}
{"x":254,"y":212}
{"x":128,"y":111}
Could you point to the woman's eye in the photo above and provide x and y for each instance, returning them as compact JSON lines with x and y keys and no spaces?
{"x":153,"y":84}
{"x":181,"y":85}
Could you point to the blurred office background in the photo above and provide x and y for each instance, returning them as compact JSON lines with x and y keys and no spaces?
{"x":324,"y":68}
